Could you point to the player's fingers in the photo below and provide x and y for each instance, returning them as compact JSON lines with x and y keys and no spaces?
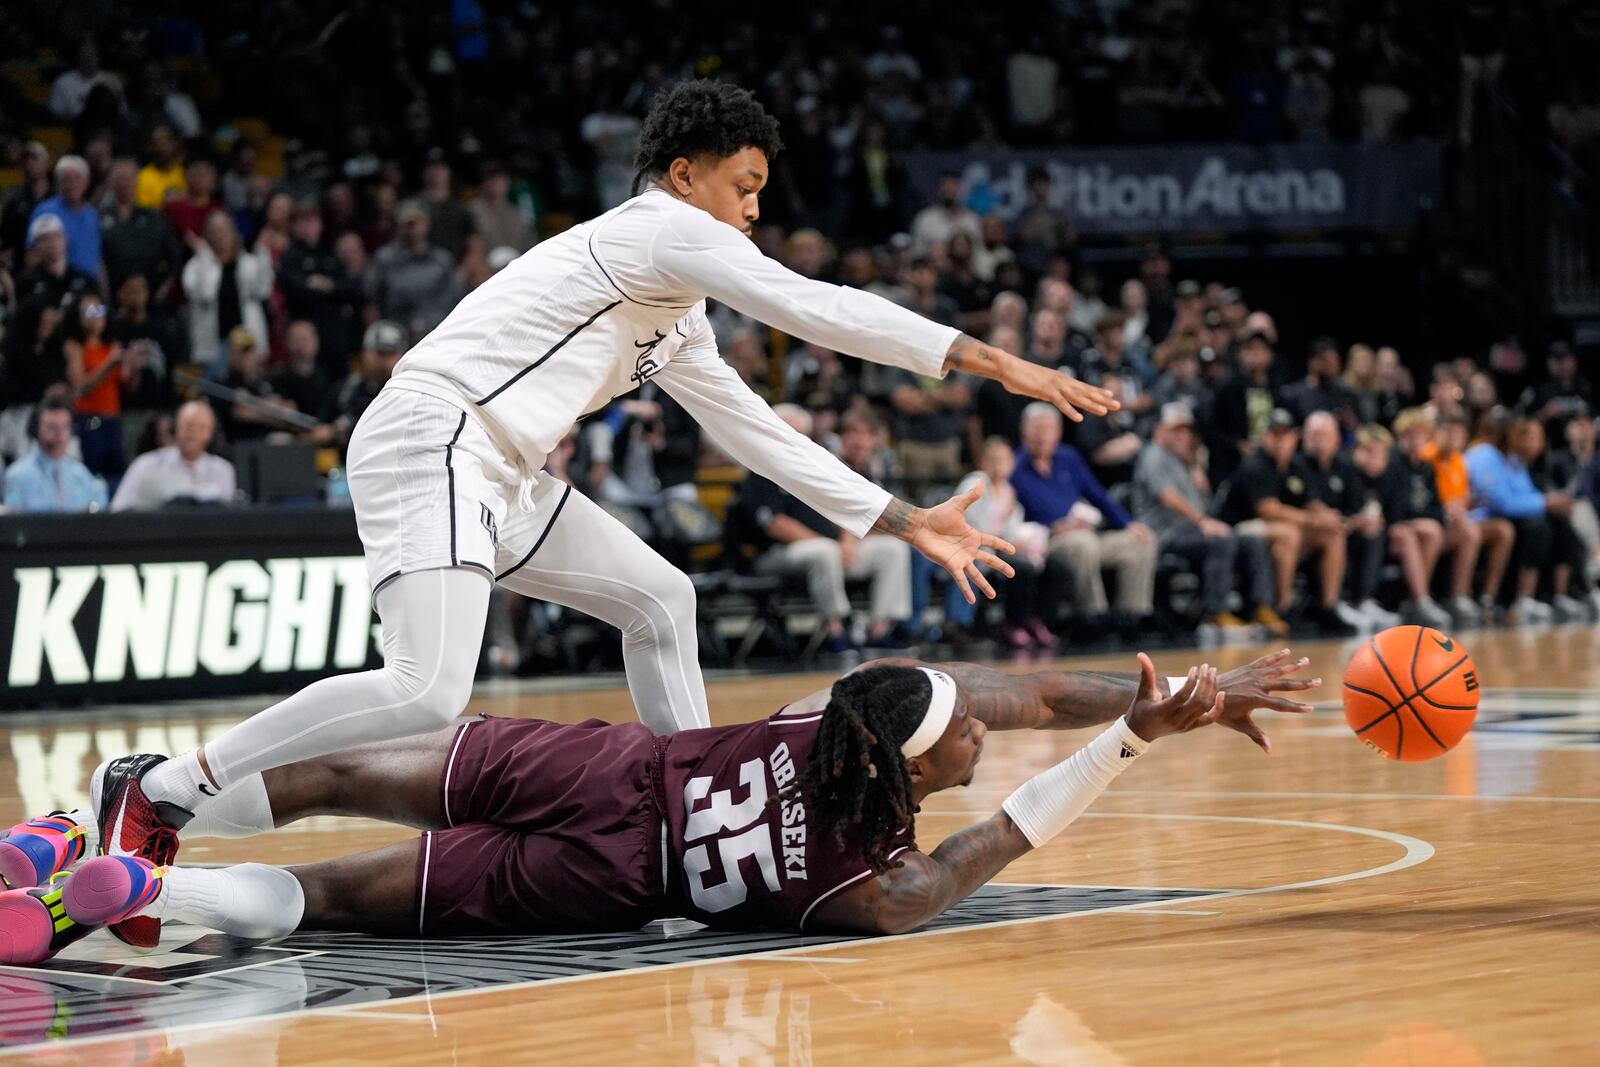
{"x":1292,"y":707}
{"x":1184,"y":692}
{"x":1147,"y":678}
{"x":999,"y":544}
{"x":980,"y":581}
{"x":962,"y":584}
{"x":1289,"y":668}
{"x":1068,"y":410}
{"x":1215,"y":713}
{"x":1253,"y":732}
{"x":1270,"y":658}
{"x":996,"y":563}
{"x":1204,"y":692}
{"x":1293,"y":685}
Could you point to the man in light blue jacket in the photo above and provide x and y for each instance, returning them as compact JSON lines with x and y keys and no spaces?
{"x":1497,"y":469}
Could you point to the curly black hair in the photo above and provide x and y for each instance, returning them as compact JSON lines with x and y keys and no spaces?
{"x":696,"y":118}
{"x":855,"y":779}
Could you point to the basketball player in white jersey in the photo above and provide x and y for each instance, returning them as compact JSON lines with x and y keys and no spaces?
{"x":444,"y":467}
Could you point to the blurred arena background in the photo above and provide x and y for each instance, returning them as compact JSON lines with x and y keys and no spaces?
{"x":261,"y":206}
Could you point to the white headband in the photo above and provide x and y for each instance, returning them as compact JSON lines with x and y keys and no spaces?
{"x":941,"y":706}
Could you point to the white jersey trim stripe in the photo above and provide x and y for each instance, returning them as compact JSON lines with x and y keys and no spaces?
{"x":843,"y":885}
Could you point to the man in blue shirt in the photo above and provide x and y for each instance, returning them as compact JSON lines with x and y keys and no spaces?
{"x":79,"y":218}
{"x":47,"y":479}
{"x":1088,"y":528}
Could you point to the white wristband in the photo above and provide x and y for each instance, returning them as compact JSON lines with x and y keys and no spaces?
{"x":1047,"y":803}
{"x":1175,"y":684}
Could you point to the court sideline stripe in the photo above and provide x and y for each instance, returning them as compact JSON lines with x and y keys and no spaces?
{"x":1417,"y":851}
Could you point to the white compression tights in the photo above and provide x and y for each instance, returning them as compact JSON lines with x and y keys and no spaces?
{"x":592,"y":563}
{"x":432,"y":633}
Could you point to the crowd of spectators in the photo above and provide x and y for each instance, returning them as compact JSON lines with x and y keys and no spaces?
{"x":162,"y":259}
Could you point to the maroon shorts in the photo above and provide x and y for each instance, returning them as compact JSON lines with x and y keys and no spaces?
{"x":550,"y":828}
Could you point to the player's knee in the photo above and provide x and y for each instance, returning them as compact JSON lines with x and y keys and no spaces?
{"x":435,"y":698}
{"x":669,"y":600}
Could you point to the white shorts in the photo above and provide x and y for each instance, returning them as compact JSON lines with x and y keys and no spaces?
{"x":432,"y":489}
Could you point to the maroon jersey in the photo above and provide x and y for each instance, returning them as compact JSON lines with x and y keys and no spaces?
{"x":737,"y":857}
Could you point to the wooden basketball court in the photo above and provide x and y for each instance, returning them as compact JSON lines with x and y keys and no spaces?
{"x":1321,"y":906}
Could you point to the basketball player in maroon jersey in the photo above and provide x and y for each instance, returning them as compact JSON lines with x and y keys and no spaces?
{"x":801,"y":821}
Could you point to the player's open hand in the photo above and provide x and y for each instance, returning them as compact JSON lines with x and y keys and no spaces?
{"x":1068,"y":394}
{"x":1197,"y":702}
{"x":945,"y":536}
{"x":1251,"y":687}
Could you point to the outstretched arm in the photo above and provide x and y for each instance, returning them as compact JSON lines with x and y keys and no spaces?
{"x":1072,"y":700}
{"x":925,"y":885}
{"x":698,"y":254}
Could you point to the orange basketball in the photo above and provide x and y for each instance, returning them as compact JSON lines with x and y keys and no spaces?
{"x":1411,"y":693}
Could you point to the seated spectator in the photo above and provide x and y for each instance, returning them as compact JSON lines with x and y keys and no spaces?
{"x":1111,"y":443}
{"x":1554,"y":399}
{"x":926,"y":298}
{"x":1182,"y":383}
{"x":137,"y":240}
{"x":182,"y":471}
{"x":302,"y":381}
{"x":1170,"y":495}
{"x":1442,"y":450}
{"x":819,"y":381}
{"x":1268,"y":497}
{"x":960,"y":282}
{"x":1497,"y":468}
{"x":253,"y":414}
{"x":1241,"y":406}
{"x":1322,"y":389}
{"x":70,"y":92}
{"x":227,"y":288}
{"x":645,"y":451}
{"x":163,"y":176}
{"x":1377,"y":402}
{"x":16,"y":206}
{"x":78,"y":217}
{"x":32,"y":349}
{"x":1088,"y":528}
{"x":97,"y":372}
{"x":449,"y":221}
{"x":161,"y":343}
{"x":1334,"y":484}
{"x":411,"y":280}
{"x":1111,"y":356}
{"x":1032,"y":596}
{"x":929,"y":416}
{"x":1047,"y":341}
{"x":498,"y":221}
{"x":381,"y":348}
{"x":46,"y":478}
{"x":1576,"y":470}
{"x":945,"y":217}
{"x":792,"y":538}
{"x":997,"y":412}
{"x":188,"y":211}
{"x":1414,"y":516}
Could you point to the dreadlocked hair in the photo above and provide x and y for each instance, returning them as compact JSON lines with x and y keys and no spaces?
{"x":856,"y":780}
{"x":698,"y":118}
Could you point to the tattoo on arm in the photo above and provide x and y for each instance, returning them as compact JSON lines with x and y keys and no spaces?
{"x":899,"y":519}
{"x":973,"y":356}
{"x":926,"y":885}
{"x":1046,"y":700}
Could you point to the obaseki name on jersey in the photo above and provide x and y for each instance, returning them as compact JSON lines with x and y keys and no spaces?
{"x":172,"y":619}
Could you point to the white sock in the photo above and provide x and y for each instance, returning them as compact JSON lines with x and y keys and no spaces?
{"x":250,"y":900}
{"x":242,"y":810}
{"x":178,"y":781}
